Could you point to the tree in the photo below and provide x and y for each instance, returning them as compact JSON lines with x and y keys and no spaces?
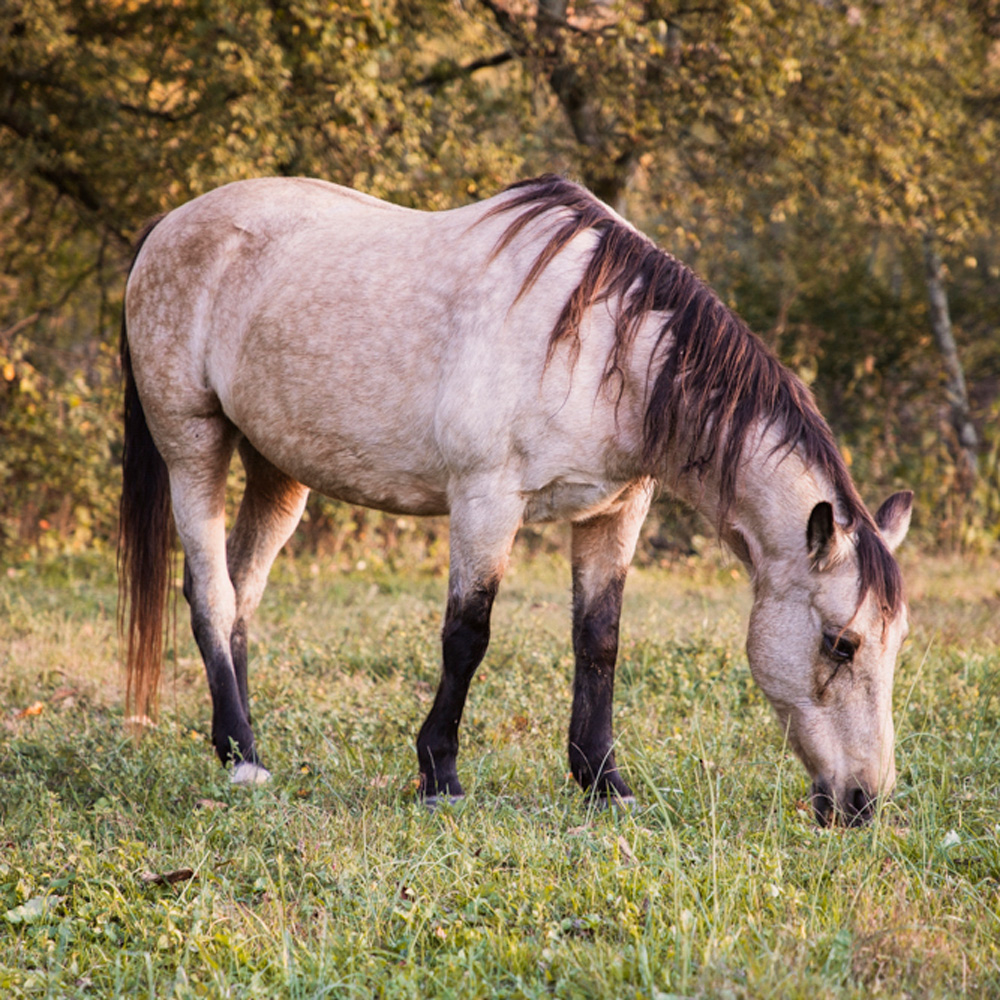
{"x":111,"y":112}
{"x":885,"y":114}
{"x":816,"y":160}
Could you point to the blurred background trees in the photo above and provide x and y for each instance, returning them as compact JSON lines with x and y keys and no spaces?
{"x":831,"y":168}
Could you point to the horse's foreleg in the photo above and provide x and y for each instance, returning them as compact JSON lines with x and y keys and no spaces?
{"x":271,"y":507}
{"x":464,"y":639}
{"x":602,"y":550}
{"x":482,"y":532}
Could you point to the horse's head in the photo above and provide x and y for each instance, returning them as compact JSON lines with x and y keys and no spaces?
{"x":826,"y":661}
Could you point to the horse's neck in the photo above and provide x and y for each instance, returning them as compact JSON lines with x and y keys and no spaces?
{"x":776,"y":492}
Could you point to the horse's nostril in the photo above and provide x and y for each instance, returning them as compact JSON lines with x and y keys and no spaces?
{"x":822,"y":803}
{"x":856,"y":808}
{"x":859,"y":806}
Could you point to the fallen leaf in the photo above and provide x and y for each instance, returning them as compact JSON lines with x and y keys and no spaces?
{"x":35,"y":709}
{"x":627,"y":854}
{"x":951,"y":839}
{"x":210,"y":804}
{"x":167,"y":878}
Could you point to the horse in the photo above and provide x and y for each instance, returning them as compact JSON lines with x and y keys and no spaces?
{"x":527,"y":358}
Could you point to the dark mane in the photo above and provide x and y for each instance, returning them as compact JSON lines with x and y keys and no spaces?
{"x":714,"y":372}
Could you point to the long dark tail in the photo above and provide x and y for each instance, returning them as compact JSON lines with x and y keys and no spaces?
{"x":145,"y":545}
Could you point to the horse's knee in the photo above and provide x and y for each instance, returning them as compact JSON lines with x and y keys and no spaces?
{"x":596,"y":621}
{"x":466,"y":633}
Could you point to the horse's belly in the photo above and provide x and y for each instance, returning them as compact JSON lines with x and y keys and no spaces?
{"x":396,"y":491}
{"x":402,"y":479}
{"x":330,"y":411}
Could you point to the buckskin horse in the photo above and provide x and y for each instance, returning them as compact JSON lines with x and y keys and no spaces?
{"x":528,"y":358}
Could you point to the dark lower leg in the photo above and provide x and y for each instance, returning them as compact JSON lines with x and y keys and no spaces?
{"x":465,"y":636}
{"x":232,"y":736}
{"x":595,"y":645}
{"x":238,"y":647}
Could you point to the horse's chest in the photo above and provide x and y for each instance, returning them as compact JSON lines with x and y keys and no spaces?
{"x":569,"y":500}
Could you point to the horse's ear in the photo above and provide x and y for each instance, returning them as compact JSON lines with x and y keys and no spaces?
{"x":823,"y":537}
{"x":893,"y":518}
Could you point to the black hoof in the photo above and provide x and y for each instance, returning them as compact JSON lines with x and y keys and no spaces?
{"x":435,"y":790}
{"x":434,"y":802}
{"x":609,"y":786}
{"x":626,"y":802}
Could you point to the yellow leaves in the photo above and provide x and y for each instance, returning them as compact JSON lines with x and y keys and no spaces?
{"x":913,"y":195}
{"x":791,"y":70}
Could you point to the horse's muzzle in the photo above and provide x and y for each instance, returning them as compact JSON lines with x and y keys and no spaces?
{"x":855,"y":808}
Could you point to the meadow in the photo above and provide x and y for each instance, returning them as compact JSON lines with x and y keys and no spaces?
{"x":130,"y":867}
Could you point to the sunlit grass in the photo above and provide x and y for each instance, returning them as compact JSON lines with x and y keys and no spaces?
{"x":334,"y":881}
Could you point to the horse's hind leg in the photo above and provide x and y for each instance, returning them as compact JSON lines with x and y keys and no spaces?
{"x":272,"y":506}
{"x":482,"y":532}
{"x":198,"y":466}
{"x":602,"y":550}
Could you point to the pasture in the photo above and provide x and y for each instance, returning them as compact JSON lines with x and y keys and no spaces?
{"x":133,"y":868}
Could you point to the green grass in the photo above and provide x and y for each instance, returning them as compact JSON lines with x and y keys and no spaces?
{"x":333,"y":881}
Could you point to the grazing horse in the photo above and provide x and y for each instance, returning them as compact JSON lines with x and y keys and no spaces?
{"x":528,"y":358}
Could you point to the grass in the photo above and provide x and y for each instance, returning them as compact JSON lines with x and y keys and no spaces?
{"x":333,"y":881}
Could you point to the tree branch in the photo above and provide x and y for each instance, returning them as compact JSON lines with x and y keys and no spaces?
{"x":508,"y":24}
{"x":447,"y":71}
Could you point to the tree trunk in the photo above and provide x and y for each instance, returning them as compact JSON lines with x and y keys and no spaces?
{"x":966,"y":442}
{"x":604,"y":169}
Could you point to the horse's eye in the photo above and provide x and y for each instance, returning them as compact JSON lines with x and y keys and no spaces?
{"x":839,"y":648}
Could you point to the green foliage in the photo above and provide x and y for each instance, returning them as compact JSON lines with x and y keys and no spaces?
{"x":58,"y":478}
{"x":334,"y":881}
